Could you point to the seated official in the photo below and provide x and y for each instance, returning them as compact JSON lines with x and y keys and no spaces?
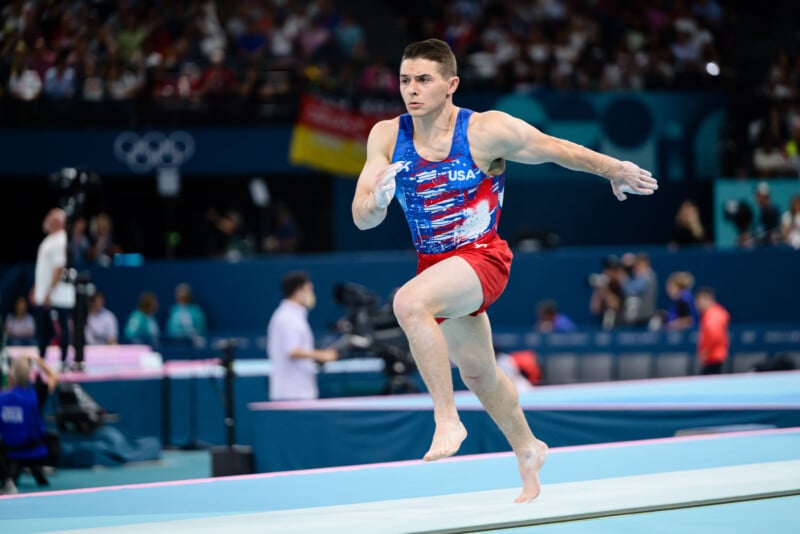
{"x":22,"y":430}
{"x":20,"y":326}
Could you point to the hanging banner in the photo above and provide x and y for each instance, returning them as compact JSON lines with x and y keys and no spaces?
{"x":331,"y":134}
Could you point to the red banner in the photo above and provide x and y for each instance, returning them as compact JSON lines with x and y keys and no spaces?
{"x":331,"y":134}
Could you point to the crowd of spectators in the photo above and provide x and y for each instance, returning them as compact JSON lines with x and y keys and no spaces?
{"x":583,"y":45}
{"x":127,"y":61}
{"x":202,"y":60}
{"x":774,"y":135}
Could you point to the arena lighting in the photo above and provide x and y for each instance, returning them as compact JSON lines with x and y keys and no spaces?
{"x":712,"y":68}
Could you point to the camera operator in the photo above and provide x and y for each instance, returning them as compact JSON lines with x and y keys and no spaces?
{"x":608,"y":295}
{"x":640,"y":288}
{"x":53,"y":297}
{"x":290,"y":342}
{"x":371,"y":328}
{"x":23,"y":438}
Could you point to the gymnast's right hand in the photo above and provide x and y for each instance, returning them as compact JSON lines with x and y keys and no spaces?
{"x":385,"y":184}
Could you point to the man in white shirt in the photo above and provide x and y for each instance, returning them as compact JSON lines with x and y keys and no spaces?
{"x":53,"y":297}
{"x":290,"y":342}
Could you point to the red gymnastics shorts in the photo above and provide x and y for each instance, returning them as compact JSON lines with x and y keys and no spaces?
{"x":489,"y":257}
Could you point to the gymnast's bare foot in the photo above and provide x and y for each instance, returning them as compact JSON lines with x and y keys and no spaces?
{"x":530,"y":461}
{"x":447,"y":439}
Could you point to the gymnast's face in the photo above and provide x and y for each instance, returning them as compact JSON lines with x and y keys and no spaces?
{"x":423,"y":87}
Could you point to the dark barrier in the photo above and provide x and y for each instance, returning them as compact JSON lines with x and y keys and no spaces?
{"x":758,"y":286}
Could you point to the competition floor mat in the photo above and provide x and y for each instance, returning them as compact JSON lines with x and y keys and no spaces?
{"x":703,"y":483}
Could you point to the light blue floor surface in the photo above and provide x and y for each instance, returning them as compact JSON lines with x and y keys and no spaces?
{"x":154,"y":503}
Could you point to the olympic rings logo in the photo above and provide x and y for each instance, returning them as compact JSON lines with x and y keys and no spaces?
{"x":153,"y":150}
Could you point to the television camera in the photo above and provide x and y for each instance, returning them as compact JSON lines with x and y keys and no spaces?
{"x":370,"y":328}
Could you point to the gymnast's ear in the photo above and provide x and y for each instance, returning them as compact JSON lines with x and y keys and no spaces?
{"x":453,"y":85}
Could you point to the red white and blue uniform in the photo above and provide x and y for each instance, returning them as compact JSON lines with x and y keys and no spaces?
{"x":449,"y":203}
{"x":452,"y":208}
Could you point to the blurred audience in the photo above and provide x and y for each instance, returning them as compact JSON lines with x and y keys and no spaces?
{"x":200,"y":53}
{"x":770,"y":158}
{"x":186,"y":319}
{"x":20,"y":325}
{"x":229,"y":237}
{"x":790,"y":223}
{"x":688,"y":228}
{"x":682,"y":312}
{"x":142,"y":326}
{"x":792,"y":146}
{"x":285,"y":235}
{"x":79,"y":244}
{"x":640,"y":289}
{"x":772,"y":130}
{"x":103,"y":244}
{"x":768,"y":223}
{"x":606,"y":302}
{"x":102,"y":327}
{"x":549,"y":319}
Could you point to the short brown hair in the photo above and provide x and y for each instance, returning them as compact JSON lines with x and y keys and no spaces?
{"x":433,"y":50}
{"x":292,"y":281}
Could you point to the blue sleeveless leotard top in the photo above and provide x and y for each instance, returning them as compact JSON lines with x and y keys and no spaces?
{"x":448,"y":203}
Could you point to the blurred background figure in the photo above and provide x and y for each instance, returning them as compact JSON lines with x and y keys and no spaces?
{"x":102,"y":327}
{"x":740,"y":214}
{"x":290,"y":342}
{"x":22,"y":429}
{"x":640,"y":289}
{"x":770,"y":159}
{"x":767,"y":231}
{"x":229,"y":236}
{"x":142,"y":326}
{"x":24,"y":83}
{"x":104,"y":245}
{"x":689,"y":228}
{"x":682,"y":312}
{"x":186,"y":319}
{"x":790,"y":224}
{"x":521,"y":366}
{"x":285,"y":235}
{"x":53,"y":297}
{"x":607,"y":293}
{"x":80,"y":247}
{"x":20,"y":326}
{"x":714,"y":339}
{"x":549,"y":319}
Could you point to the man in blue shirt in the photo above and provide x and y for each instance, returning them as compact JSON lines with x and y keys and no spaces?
{"x":551,"y":320}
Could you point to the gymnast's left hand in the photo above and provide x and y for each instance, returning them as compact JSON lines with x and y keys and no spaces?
{"x":385,"y":186}
{"x":628,"y":177}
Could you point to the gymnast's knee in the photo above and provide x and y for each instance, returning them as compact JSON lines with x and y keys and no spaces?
{"x":480,"y":381}
{"x":408,"y":307}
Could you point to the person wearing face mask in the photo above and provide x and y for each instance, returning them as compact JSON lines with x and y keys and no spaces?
{"x":290,"y":342}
